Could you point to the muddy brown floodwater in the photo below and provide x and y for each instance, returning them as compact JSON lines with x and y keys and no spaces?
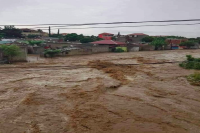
{"x":138,"y":92}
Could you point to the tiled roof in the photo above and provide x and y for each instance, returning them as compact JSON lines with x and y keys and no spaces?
{"x":107,"y":33}
{"x":175,"y":41}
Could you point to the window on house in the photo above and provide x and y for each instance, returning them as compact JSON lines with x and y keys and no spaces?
{"x":135,"y":36}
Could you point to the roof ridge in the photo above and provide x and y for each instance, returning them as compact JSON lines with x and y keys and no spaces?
{"x":114,"y":41}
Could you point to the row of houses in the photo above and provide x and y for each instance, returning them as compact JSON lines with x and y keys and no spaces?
{"x":110,"y":42}
{"x":135,"y":40}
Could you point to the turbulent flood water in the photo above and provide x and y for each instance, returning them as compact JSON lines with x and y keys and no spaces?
{"x":138,"y":92}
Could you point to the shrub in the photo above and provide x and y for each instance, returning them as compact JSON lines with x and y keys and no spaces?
{"x":194,"y":79}
{"x":10,"y":51}
{"x":51,"y":53}
{"x":119,"y":50}
{"x":191,"y":63}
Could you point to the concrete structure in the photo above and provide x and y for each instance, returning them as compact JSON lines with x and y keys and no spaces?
{"x":196,"y":46}
{"x":134,"y":49}
{"x":26,"y":32}
{"x":146,"y":47}
{"x":175,"y":42}
{"x":106,"y":36}
{"x":112,"y":44}
{"x":100,"y":49}
{"x":131,"y":38}
{"x":51,"y":39}
{"x":23,"y":56}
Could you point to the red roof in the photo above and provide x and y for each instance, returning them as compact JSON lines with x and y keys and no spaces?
{"x":138,"y":34}
{"x":108,"y":42}
{"x":175,"y":41}
{"x":106,"y":34}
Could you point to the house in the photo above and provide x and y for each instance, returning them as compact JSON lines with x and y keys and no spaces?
{"x":112,"y":44}
{"x":174,"y":43}
{"x":26,"y":32}
{"x":131,"y":38}
{"x":106,"y":36}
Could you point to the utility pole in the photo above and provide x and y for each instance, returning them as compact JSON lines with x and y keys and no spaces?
{"x":49,"y":31}
{"x":58,"y":31}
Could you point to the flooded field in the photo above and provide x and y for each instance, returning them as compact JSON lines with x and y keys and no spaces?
{"x":137,"y":92}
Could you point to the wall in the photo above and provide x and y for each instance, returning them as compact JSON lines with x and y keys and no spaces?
{"x":38,"y":50}
{"x":134,"y":49}
{"x":132,"y":39}
{"x":100,"y":49}
{"x":147,"y":48}
{"x":80,"y":52}
{"x":197,"y":46}
{"x":60,"y":45}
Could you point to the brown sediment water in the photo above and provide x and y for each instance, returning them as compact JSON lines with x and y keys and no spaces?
{"x":99,"y":93}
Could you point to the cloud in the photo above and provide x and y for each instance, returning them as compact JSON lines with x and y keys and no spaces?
{"x":91,"y":11}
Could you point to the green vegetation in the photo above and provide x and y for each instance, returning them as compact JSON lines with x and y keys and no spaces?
{"x":191,"y":63}
{"x":158,"y":43}
{"x":32,"y":43}
{"x":10,"y":32}
{"x":148,"y":39}
{"x":114,"y":38}
{"x":119,"y":50}
{"x":10,"y":51}
{"x":188,"y":44}
{"x":51,"y":53}
{"x":194,"y":79}
{"x":33,"y":36}
{"x":83,"y":39}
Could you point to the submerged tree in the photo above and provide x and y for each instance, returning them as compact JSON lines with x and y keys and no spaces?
{"x":10,"y":51}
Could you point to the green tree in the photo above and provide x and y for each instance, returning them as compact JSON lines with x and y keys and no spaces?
{"x":86,"y":40}
{"x":148,"y":39}
{"x":188,"y":44}
{"x":33,"y":36}
{"x":158,"y":43}
{"x":32,"y":43}
{"x":114,"y":38}
{"x":51,"y":53}
{"x":10,"y":51}
{"x":1,"y":35}
{"x":72,"y":37}
{"x":11,"y":32}
{"x":39,"y":30}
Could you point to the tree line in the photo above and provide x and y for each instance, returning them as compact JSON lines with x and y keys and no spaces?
{"x":161,"y":41}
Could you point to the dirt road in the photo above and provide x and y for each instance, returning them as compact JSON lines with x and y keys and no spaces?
{"x":102,"y":93}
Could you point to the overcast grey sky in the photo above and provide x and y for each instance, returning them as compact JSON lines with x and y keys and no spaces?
{"x":91,"y":11}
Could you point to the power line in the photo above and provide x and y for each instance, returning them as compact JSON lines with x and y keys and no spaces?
{"x":127,"y":26}
{"x":186,"y":20}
